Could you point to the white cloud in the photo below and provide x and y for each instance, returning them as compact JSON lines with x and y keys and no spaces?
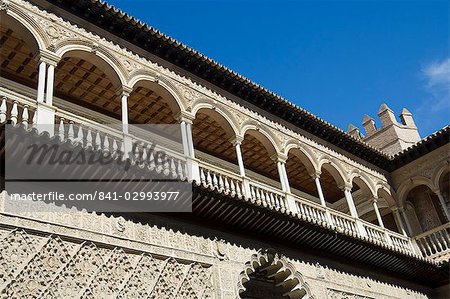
{"x":438,"y":73}
{"x":437,"y":76}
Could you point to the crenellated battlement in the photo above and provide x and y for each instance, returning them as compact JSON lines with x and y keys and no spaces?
{"x":393,"y":136}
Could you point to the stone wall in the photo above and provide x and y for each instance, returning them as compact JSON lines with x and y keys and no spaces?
{"x":82,"y":255}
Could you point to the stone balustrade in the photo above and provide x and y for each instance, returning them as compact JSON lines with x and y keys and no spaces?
{"x":435,"y":243}
{"x":79,"y":130}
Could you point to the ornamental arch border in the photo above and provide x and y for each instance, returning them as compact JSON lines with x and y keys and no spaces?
{"x":406,"y":186}
{"x":343,"y":178}
{"x":67,"y":46}
{"x":438,"y":174}
{"x":40,"y":36}
{"x":389,"y":195}
{"x":262,"y":129}
{"x":309,"y":154}
{"x":357,"y":174}
{"x":178,"y":105}
{"x":205,"y":103}
{"x":286,"y":271}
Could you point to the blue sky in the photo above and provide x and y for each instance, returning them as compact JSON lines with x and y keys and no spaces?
{"x":338,"y":59}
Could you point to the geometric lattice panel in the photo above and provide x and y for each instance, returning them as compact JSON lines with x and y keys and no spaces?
{"x":53,"y":268}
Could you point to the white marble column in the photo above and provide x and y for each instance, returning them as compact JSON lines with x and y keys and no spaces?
{"x":351,"y":204}
{"x":405,"y":218}
{"x":377,"y":212}
{"x":286,"y":179}
{"x":50,"y":82}
{"x":41,"y":81}
{"x":45,"y":112}
{"x":319,"y":189}
{"x":190,"y":138}
{"x":236,"y":141}
{"x":281,"y":166}
{"x":124,"y":102}
{"x":184,"y":138}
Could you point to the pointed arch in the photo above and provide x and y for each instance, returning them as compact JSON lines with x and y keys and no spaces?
{"x":286,"y":277}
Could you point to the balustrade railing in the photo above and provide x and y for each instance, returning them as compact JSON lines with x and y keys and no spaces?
{"x":17,"y":112}
{"x":434,"y":242}
{"x":267,"y":196}
{"x":375,"y":232}
{"x":343,"y":222}
{"x":220,"y":179}
{"x":79,"y":130}
{"x":312,"y":211}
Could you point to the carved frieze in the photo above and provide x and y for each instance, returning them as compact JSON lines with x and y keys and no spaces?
{"x":53,"y":271}
{"x":335,"y":294}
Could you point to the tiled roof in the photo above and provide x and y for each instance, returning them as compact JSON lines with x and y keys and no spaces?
{"x":154,"y":41}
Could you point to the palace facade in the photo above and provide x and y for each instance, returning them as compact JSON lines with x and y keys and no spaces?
{"x":285,"y":205}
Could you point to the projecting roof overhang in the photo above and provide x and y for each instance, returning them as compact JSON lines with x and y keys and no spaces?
{"x":247,"y":217}
{"x":153,"y":41}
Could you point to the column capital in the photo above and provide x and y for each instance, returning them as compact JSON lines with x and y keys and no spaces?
{"x":278,"y":157}
{"x":185,"y":116}
{"x":125,"y":91}
{"x":316,"y":174}
{"x":374,"y":199}
{"x":48,"y":57}
{"x":346,"y":187}
{"x":236,"y":140}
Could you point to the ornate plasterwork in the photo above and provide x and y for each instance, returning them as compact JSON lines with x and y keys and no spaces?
{"x":335,"y":294}
{"x":60,"y":269}
{"x":60,"y":33}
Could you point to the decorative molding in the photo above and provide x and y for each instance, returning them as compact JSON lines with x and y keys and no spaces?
{"x":336,"y":294}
